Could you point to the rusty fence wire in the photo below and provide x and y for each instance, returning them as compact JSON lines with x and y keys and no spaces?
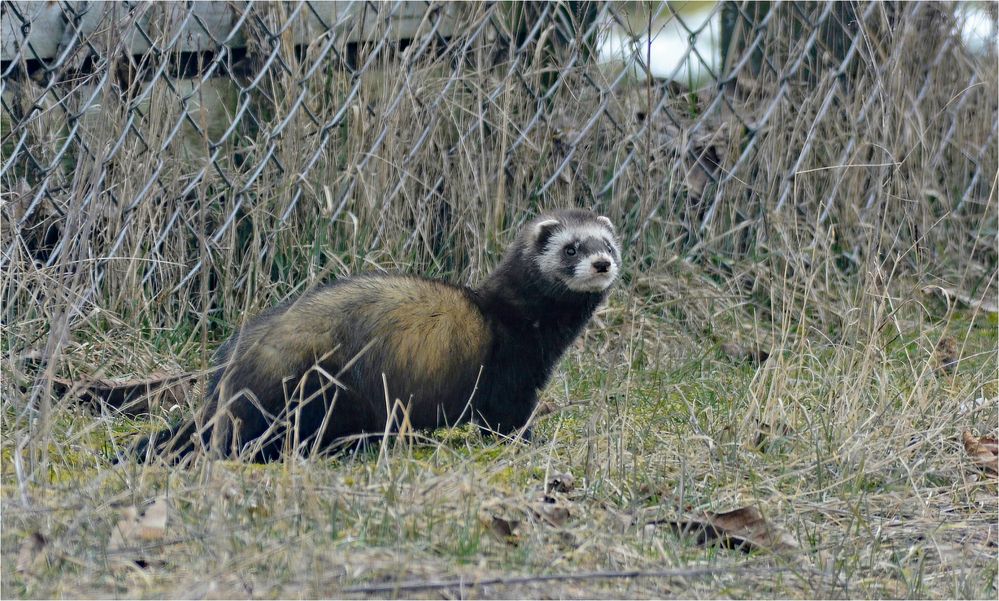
{"x":158,"y":155}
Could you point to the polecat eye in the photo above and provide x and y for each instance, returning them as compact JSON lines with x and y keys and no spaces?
{"x":570,"y":251}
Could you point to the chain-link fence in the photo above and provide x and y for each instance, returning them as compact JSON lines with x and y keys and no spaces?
{"x":158,"y":157}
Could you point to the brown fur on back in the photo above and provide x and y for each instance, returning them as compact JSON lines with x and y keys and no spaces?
{"x":427,"y":338}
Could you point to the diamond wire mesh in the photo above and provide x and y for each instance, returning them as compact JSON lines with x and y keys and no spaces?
{"x":156,"y":154}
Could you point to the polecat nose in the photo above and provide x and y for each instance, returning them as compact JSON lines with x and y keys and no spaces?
{"x":602,"y":265}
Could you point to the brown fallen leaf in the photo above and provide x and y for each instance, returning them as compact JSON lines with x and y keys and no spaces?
{"x":502,"y":520}
{"x":134,"y":530}
{"x":503,"y":528}
{"x":744,"y":529}
{"x":31,"y":556}
{"x":984,"y":452}
{"x":945,"y":355}
{"x":131,"y":397}
{"x":545,"y":408}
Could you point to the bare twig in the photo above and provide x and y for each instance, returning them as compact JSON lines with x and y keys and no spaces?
{"x":609,"y":575}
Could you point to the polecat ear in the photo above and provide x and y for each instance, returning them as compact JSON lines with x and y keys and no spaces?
{"x":543,"y":230}
{"x":607,"y":222}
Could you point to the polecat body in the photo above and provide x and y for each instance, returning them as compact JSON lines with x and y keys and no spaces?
{"x":330,"y":364}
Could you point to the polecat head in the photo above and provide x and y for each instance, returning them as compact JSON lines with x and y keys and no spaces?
{"x":575,"y":248}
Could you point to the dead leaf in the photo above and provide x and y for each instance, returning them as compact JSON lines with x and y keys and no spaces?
{"x":984,"y":452}
{"x":744,"y":529}
{"x":499,"y":518}
{"x":31,"y":556}
{"x":748,"y":523}
{"x":945,"y":355}
{"x":505,"y":529}
{"x":545,"y":408}
{"x":560,"y":483}
{"x":132,"y":397}
{"x":134,"y":530}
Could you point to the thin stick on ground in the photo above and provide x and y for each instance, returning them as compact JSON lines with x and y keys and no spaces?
{"x":611,"y":575}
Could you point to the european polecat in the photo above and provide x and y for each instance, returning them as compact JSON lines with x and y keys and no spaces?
{"x":341,"y":359}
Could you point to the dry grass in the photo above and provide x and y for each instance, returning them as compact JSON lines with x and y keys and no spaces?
{"x":865,"y":472}
{"x":857,"y":191}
